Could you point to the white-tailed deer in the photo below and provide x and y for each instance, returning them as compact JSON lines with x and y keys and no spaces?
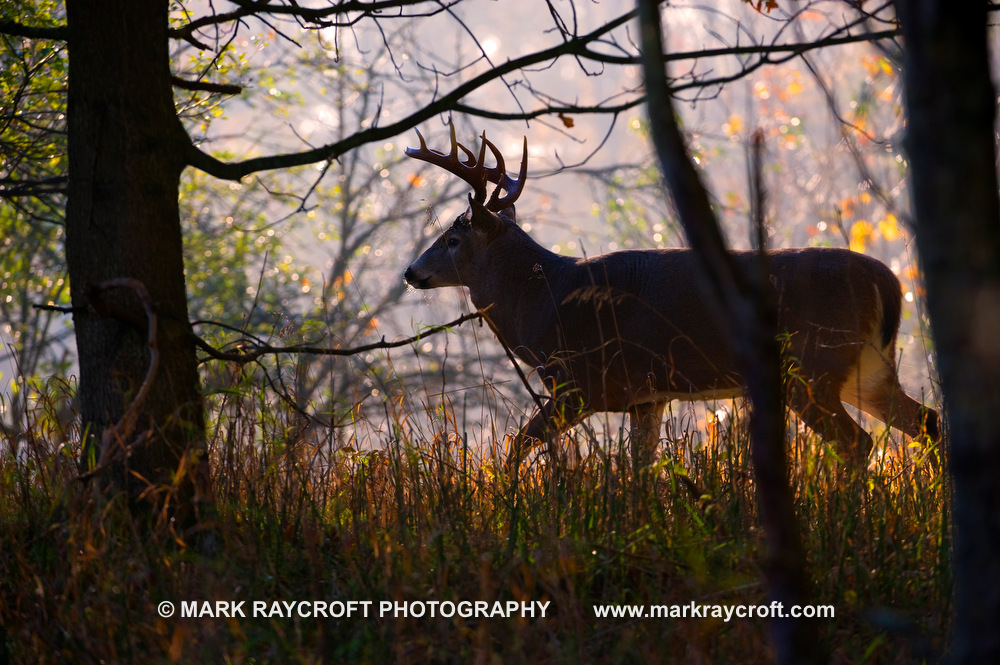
{"x":628,"y":331}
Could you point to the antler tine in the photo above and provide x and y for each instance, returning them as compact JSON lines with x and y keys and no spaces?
{"x":498,"y":176}
{"x":470,"y":157}
{"x":470,"y":169}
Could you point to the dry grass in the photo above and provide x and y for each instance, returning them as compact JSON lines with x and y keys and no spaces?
{"x":424,"y":518}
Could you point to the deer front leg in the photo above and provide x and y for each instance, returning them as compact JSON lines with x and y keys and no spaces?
{"x":821,"y":409}
{"x":545,"y":425}
{"x":645,"y":421}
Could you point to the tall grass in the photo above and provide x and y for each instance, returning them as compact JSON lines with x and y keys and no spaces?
{"x":307,"y":515}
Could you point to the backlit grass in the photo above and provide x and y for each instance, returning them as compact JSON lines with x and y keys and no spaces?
{"x":304,"y":515}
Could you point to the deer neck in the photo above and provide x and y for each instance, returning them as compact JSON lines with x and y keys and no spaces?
{"x":515,"y":287}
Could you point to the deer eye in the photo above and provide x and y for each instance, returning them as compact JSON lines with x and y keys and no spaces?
{"x":452,"y":241}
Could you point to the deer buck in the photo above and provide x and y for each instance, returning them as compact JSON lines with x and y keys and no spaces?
{"x":629,"y":331}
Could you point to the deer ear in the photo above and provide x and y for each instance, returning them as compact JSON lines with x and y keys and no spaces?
{"x":508,"y":214}
{"x":483,"y":220}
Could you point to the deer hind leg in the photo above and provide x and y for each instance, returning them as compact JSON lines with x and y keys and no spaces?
{"x":645,"y":421}
{"x":818,"y":404}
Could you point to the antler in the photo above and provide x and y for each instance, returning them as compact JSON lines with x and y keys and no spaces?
{"x":498,"y":176}
{"x":475,"y":172}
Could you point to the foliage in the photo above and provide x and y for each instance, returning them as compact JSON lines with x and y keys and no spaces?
{"x":240,"y":273}
{"x":32,"y":179}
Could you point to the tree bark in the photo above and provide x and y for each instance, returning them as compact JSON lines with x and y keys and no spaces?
{"x":951,"y":148}
{"x":126,"y":154}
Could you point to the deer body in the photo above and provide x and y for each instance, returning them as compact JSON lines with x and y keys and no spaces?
{"x":629,"y":331}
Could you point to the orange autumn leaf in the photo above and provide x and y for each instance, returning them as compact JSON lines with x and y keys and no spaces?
{"x":861,"y":233}
{"x":889,"y":227}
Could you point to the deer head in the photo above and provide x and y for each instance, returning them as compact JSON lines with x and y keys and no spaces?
{"x":457,"y":252}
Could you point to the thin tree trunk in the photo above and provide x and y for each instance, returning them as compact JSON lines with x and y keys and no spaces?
{"x":745,"y":307}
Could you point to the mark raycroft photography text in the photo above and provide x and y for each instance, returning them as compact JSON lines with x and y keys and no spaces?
{"x":695,"y":610}
{"x":337,"y":609}
{"x":418,"y":609}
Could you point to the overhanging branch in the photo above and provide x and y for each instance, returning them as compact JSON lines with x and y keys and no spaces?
{"x":579,"y":47}
{"x":236,"y":170}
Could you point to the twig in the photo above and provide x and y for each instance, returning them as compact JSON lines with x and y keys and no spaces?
{"x":65,"y":309}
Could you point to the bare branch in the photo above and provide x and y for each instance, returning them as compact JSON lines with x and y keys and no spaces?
{"x":250,"y":349}
{"x":11,"y":188}
{"x":792,"y":50}
{"x":236,"y":170}
{"x":56,"y":32}
{"x":312,"y":17}
{"x":579,"y":47}
{"x":206,"y":86}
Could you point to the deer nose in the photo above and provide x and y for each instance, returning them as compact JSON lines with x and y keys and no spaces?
{"x":415,"y":280}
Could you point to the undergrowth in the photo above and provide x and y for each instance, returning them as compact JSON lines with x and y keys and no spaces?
{"x":306,"y":516}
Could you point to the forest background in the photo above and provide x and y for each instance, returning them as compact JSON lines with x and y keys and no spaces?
{"x":375,"y":473}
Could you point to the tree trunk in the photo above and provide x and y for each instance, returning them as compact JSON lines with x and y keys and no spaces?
{"x":951,"y":148}
{"x":126,"y":153}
